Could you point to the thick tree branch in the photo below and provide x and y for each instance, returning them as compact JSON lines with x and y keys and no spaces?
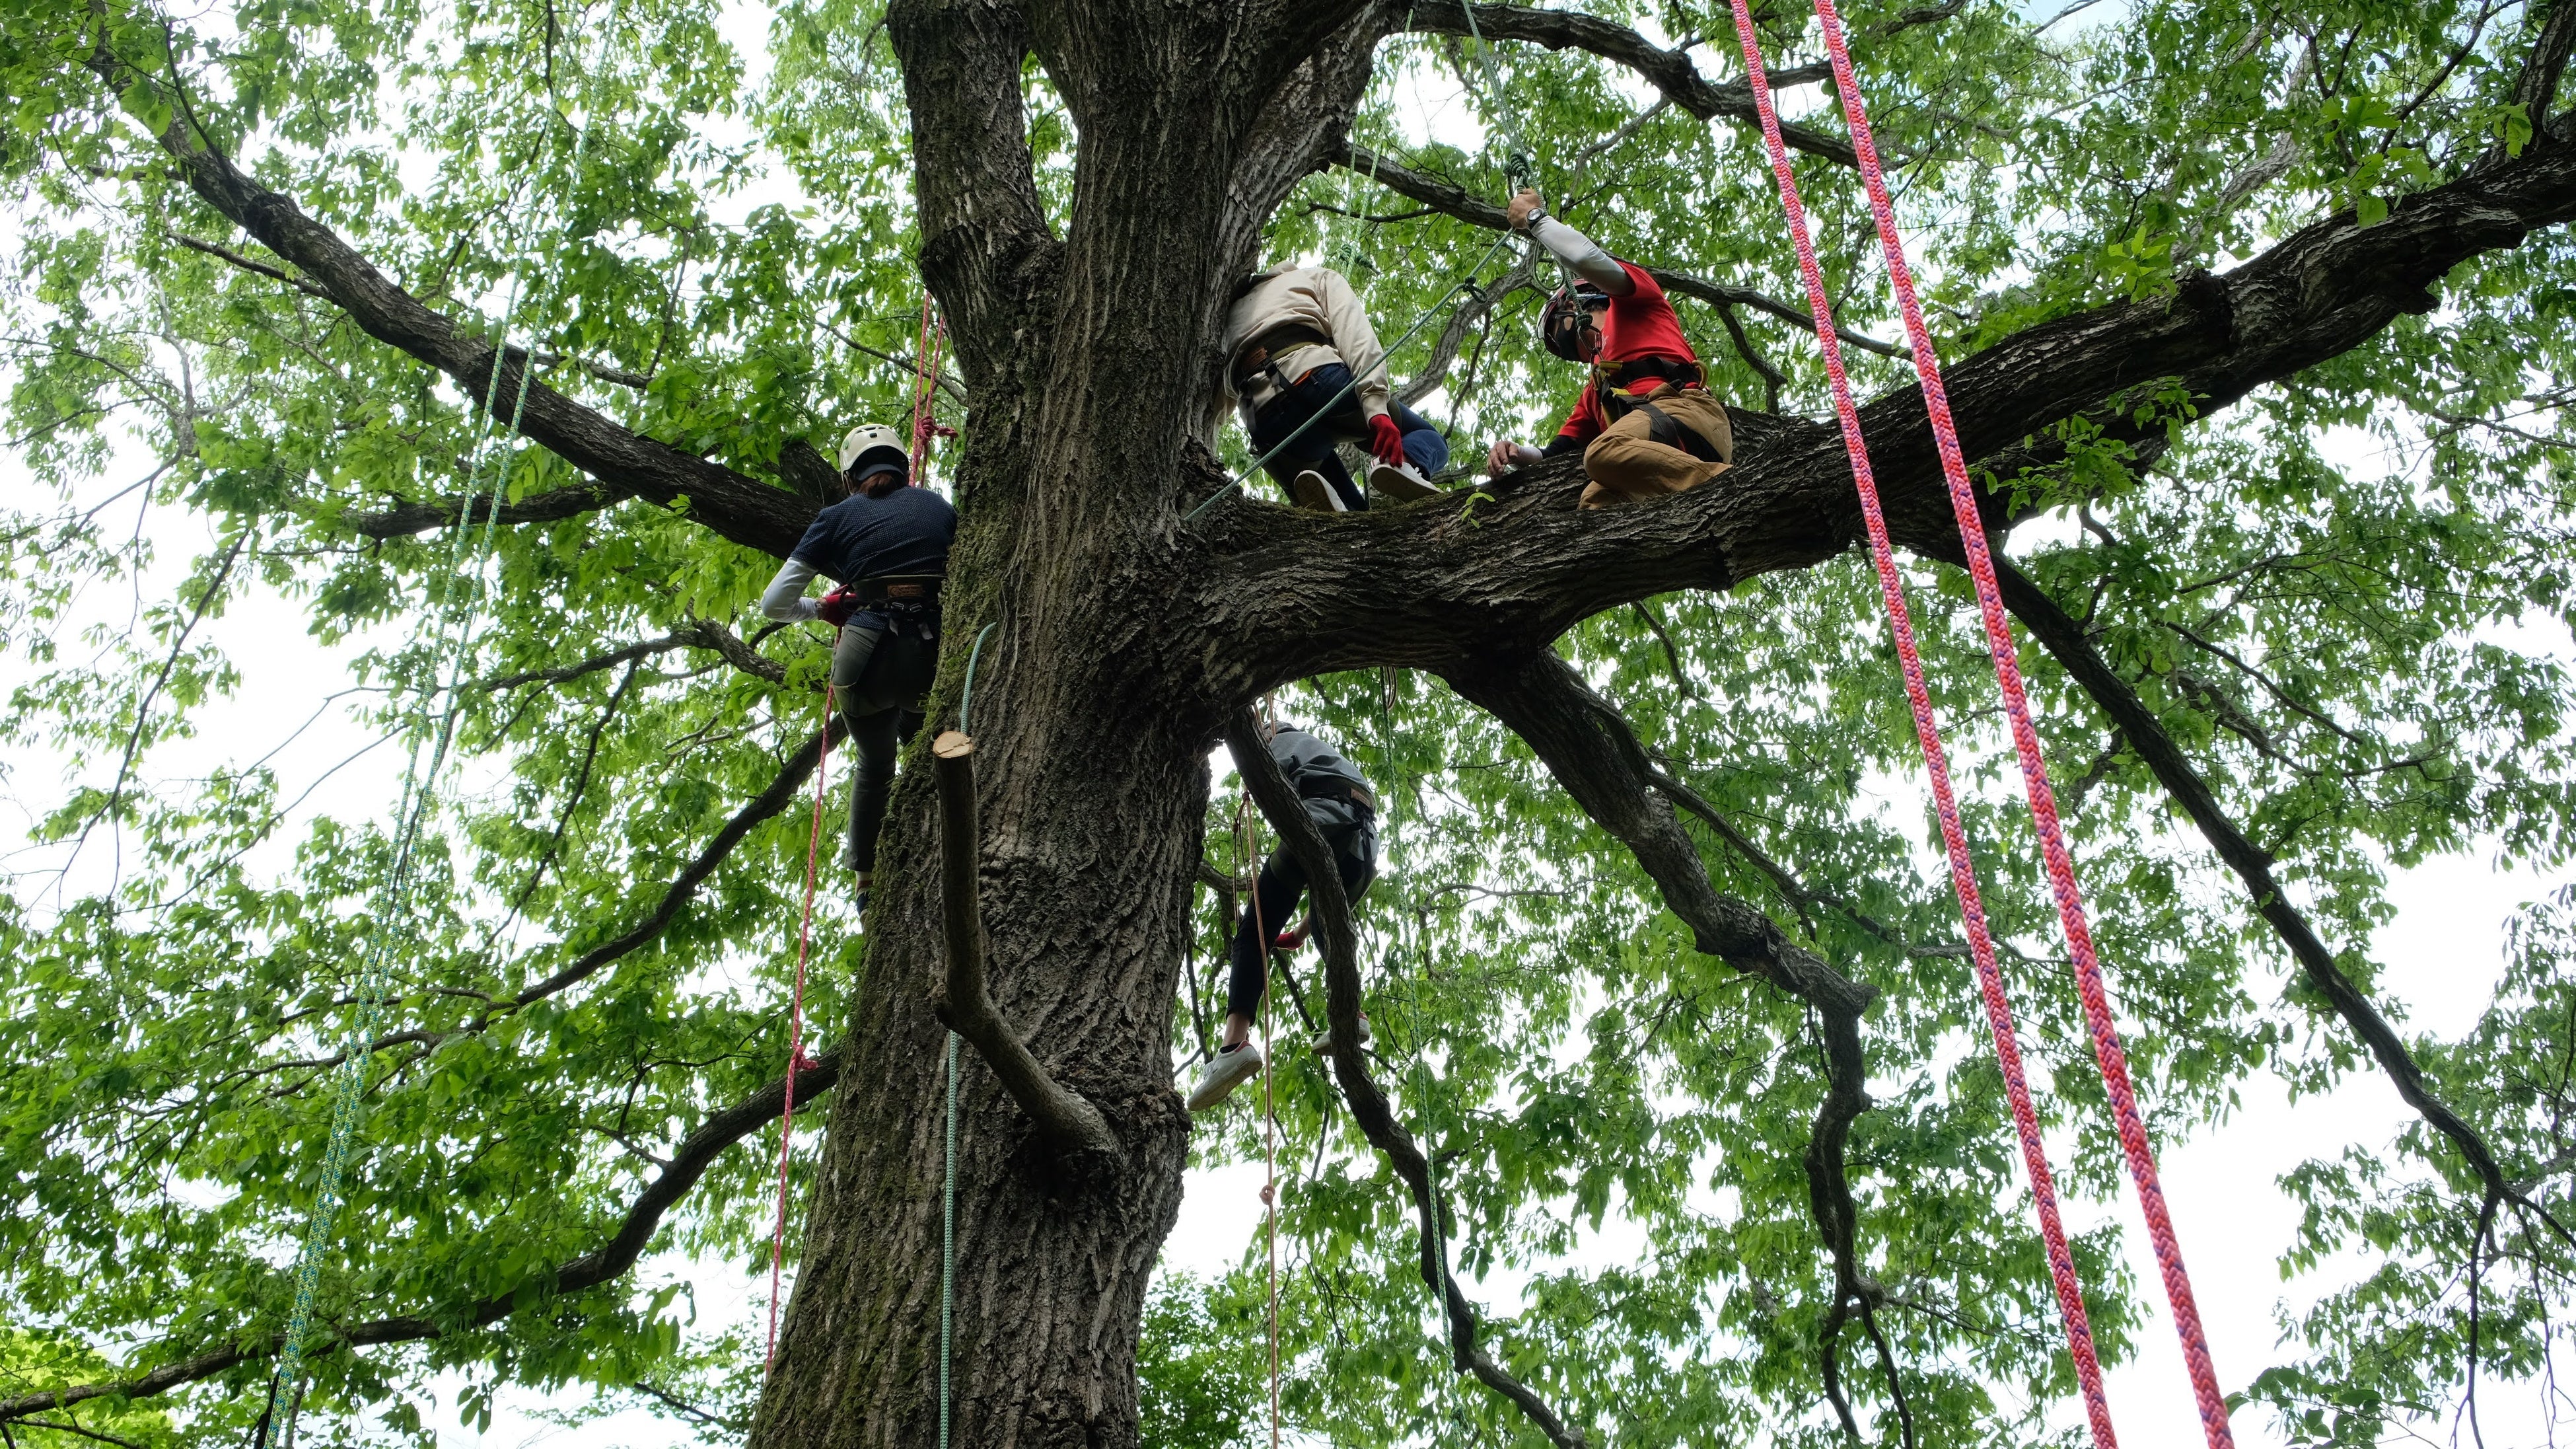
{"x":603,"y":1264}
{"x":1669,"y":71}
{"x":1070,"y":1124}
{"x":627,"y":463}
{"x":2065,"y":640}
{"x":1513,"y":569}
{"x":1594,"y":754}
{"x":1340,"y":947}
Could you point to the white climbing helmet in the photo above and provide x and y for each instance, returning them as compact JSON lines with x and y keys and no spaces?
{"x":869,"y":444}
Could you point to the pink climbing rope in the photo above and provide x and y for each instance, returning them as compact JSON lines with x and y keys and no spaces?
{"x":2107,"y":1050}
{"x":928,"y":352}
{"x":797,"y":1061}
{"x":1927,"y":730}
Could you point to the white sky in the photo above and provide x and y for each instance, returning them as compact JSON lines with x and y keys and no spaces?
{"x":2441,"y":957}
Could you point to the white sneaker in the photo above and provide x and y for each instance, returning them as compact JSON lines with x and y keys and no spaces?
{"x":1225,"y":1071}
{"x":1315,"y":492}
{"x":1401,"y":482}
{"x":1322,"y":1045}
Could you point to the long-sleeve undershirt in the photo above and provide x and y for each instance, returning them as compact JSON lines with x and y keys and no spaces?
{"x":1584,"y":255}
{"x":786,"y":601}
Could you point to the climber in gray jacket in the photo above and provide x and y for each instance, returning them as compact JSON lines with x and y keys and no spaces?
{"x":1338,"y":800}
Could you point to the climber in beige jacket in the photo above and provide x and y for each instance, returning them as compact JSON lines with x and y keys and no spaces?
{"x":1299,"y":350}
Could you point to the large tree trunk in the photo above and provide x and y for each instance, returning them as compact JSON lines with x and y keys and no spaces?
{"x":1090,"y":362}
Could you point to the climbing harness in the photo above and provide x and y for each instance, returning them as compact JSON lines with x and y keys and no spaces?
{"x":797,"y":1061}
{"x":1299,"y":431}
{"x":460,"y":607}
{"x":948,"y":1172}
{"x":2107,"y":1049}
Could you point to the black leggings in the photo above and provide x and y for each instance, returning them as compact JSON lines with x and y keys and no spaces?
{"x":1274,"y":897}
{"x":879,"y":678}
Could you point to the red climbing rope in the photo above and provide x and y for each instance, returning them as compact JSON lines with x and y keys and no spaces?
{"x":2107,"y":1050}
{"x":2097,"y":1011}
{"x":925,"y":388}
{"x":1963,"y":877}
{"x":797,"y":1061}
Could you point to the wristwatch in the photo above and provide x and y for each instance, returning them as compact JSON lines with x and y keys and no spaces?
{"x":1530,"y":222}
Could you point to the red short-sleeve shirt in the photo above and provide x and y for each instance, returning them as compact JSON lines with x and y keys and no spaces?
{"x":1640,"y":324}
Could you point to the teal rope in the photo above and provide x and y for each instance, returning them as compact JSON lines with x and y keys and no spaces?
{"x":948,"y":1186}
{"x":394,"y":899}
{"x":1300,"y":431}
{"x":948,"y":1236}
{"x":966,"y":699}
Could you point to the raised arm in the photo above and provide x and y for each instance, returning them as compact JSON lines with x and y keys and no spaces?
{"x":1579,"y":252}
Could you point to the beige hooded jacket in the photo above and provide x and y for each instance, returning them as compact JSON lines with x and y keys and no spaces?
{"x":1315,"y":297}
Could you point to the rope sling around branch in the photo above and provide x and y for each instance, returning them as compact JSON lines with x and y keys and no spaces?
{"x":2107,"y":1048}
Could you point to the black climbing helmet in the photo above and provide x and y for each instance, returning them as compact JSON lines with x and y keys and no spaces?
{"x":1560,"y":322}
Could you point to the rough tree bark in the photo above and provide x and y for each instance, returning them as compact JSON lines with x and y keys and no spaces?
{"x":1125,"y":637}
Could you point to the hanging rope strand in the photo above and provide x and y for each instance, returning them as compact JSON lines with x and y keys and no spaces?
{"x":948,"y":1169}
{"x":459,"y":619}
{"x":2107,"y":1049}
{"x":1963,"y":878}
{"x":796,"y":1060}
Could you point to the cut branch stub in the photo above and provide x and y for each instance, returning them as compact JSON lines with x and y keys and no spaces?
{"x":1340,"y":947}
{"x":1071,"y":1125}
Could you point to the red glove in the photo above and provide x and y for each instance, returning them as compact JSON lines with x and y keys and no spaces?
{"x":837,"y":607}
{"x":1386,"y":440}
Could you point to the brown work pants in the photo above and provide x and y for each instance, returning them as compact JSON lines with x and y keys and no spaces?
{"x":1625,"y":464}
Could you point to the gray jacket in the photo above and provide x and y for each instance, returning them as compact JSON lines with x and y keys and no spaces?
{"x":1308,"y":763}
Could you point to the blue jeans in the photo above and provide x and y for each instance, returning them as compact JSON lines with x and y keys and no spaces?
{"x":1424,"y":448}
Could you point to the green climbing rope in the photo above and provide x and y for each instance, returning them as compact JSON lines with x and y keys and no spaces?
{"x":460,"y":608}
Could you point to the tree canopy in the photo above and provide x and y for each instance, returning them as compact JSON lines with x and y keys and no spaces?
{"x":2327,"y":590}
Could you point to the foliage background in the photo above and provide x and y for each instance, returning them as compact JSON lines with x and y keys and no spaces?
{"x":2348,"y":598}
